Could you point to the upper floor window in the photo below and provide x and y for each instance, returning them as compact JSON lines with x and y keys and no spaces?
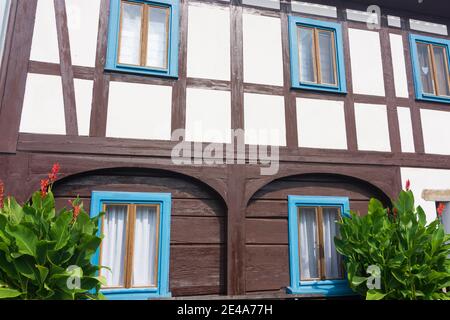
{"x":143,"y":37}
{"x":317,"y":60}
{"x":315,"y":265}
{"x":430,"y":57}
{"x":135,"y":247}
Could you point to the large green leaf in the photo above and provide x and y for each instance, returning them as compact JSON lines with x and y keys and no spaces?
{"x":25,"y":239}
{"x":59,"y":231}
{"x":6,"y":293}
{"x":375,"y":295}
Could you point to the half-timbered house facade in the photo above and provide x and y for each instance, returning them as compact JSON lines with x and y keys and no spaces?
{"x":353,"y":97}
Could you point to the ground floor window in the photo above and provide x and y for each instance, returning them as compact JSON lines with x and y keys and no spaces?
{"x":315,"y":265}
{"x":135,"y":247}
{"x":443,"y":210}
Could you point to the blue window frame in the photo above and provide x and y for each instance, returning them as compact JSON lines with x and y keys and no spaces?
{"x":162,"y":201}
{"x":326,"y":287}
{"x":331,"y":36}
{"x":169,"y":68}
{"x":430,"y":60}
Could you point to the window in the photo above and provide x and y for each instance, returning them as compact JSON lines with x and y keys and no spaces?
{"x":317,"y":55}
{"x":445,"y":214}
{"x":135,"y":247}
{"x":430,"y":58}
{"x":143,"y":37}
{"x":315,"y":265}
{"x":4,"y":15}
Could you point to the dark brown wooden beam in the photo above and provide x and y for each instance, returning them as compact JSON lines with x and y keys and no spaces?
{"x":237,"y":67}
{"x":68,"y":87}
{"x":16,"y":77}
{"x":99,"y":110}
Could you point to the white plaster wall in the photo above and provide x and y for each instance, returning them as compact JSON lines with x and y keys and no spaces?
{"x":139,"y":111}
{"x":273,"y":4}
{"x":314,"y":8}
{"x":398,"y":62}
{"x":406,"y":131}
{"x":426,"y":179}
{"x":263,"y":61}
{"x":428,"y":27}
{"x":264,"y":120}
{"x":45,"y":40}
{"x":321,"y":124}
{"x":43,"y":106}
{"x":436,"y":131}
{"x":83,"y":99}
{"x":372,"y":127}
{"x":366,"y":63}
{"x":394,"y":21}
{"x":208,"y":51}
{"x":82,"y":20}
{"x":208,"y":115}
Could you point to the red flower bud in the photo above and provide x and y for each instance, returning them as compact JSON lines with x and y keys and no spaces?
{"x":76,"y":210}
{"x":440,"y":209}
{"x":395,"y":212}
{"x":408,"y":185}
{"x":2,"y":190}
{"x":52,"y":176}
{"x":44,"y":187}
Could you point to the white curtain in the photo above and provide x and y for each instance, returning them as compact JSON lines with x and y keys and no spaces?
{"x":425,"y":68}
{"x":308,"y":243}
{"x":145,"y":246}
{"x":330,"y":231}
{"x":327,"y":57}
{"x":113,"y":245}
{"x":440,"y":57}
{"x":446,"y":217}
{"x":157,"y":37}
{"x":130,"y":34}
{"x":306,"y":54}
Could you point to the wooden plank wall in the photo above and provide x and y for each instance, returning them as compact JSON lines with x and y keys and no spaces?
{"x":197,"y":250}
{"x":267,"y":251}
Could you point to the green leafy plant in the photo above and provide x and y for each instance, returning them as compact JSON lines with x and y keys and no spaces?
{"x":411,"y":256}
{"x":44,"y":255}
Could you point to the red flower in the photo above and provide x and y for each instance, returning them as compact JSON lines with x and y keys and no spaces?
{"x":440,"y":209}
{"x":395,"y":212}
{"x":408,"y":185}
{"x":53,"y":174}
{"x":44,"y":187}
{"x":76,"y":210}
{"x":2,"y":190}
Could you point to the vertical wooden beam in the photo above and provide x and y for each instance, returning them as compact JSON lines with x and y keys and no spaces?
{"x":68,"y":87}
{"x":179,"y":88}
{"x":99,"y":110}
{"x":16,"y":76}
{"x":389,"y":85}
{"x":236,"y":275}
{"x":236,"y":173}
{"x":237,"y":66}
{"x":290,"y":107}
{"x":349,"y":105}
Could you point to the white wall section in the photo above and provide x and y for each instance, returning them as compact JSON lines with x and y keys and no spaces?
{"x":372,"y":127}
{"x":208,"y":115}
{"x":398,"y":63}
{"x":421,"y":179}
{"x":314,"y":8}
{"x":208,"y":51}
{"x":394,"y":21}
{"x":430,"y":27}
{"x":436,"y":131}
{"x":272,"y":4}
{"x":366,"y":63}
{"x":406,"y":130}
{"x":82,"y":21}
{"x":321,"y":124}
{"x":83,"y":100}
{"x":264,"y":120}
{"x":43,"y":106}
{"x":45,"y":39}
{"x":139,"y":111}
{"x":263,"y":61}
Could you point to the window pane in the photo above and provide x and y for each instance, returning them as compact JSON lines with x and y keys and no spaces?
{"x":441,"y":61}
{"x":333,"y":268}
{"x":113,"y":245}
{"x":309,"y":255}
{"x":426,"y":73}
{"x":446,"y":217}
{"x":4,"y":15}
{"x":157,"y":37}
{"x":306,"y":54}
{"x":327,"y":57}
{"x":130,"y":34}
{"x":145,"y":247}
